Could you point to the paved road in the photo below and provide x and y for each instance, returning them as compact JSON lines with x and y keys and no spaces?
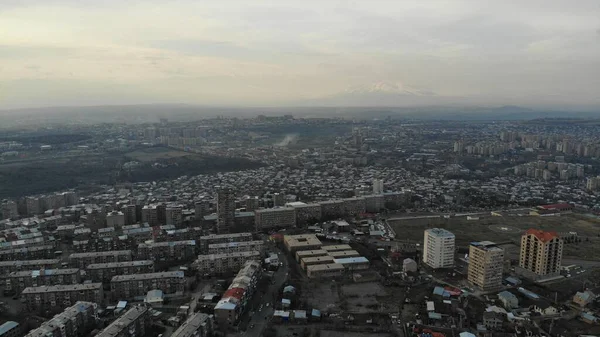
{"x":260,"y":313}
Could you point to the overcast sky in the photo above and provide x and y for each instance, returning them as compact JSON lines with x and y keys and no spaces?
{"x":84,"y":52}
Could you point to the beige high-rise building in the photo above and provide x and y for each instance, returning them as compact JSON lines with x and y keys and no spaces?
{"x":541,"y":252}
{"x":486,"y":261}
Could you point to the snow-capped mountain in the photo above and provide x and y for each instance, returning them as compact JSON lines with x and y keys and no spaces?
{"x":388,"y":88}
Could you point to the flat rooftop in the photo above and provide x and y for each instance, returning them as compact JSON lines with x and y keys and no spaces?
{"x":336,"y":248}
{"x":343,"y":253}
{"x":94,"y":254}
{"x":62,"y":288}
{"x":440,"y":233}
{"x":123,"y":322}
{"x":303,"y":240}
{"x":148,"y":276}
{"x":167,"y":244}
{"x":316,"y":259}
{"x":351,"y":260}
{"x":486,"y":245}
{"x":29,"y":262}
{"x":311,"y":252}
{"x":235,"y":244}
{"x":225,"y":236}
{"x":124,"y":264}
{"x":191,"y":325}
{"x":325,"y":267}
{"x":41,"y":273}
{"x":208,"y":257}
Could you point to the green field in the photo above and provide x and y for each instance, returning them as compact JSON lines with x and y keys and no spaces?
{"x":159,"y":153}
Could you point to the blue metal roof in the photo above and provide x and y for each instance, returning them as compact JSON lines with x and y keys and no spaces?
{"x":6,"y":327}
{"x":360,"y":259}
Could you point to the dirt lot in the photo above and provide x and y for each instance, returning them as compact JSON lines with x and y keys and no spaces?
{"x":364,"y":297}
{"x":322,"y":296}
{"x":509,"y":229}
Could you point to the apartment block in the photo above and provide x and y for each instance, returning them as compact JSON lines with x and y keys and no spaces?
{"x":374,"y":203}
{"x":283,"y":217}
{"x":224,"y":262}
{"x":77,"y":320}
{"x":225,"y":209}
{"x":233,"y":303}
{"x":30,"y":253}
{"x":354,"y":206}
{"x":16,"y":281}
{"x":174,"y":215}
{"x":8,"y":210}
{"x":541,"y":252}
{"x":222,"y":238}
{"x":104,"y":272}
{"x":343,"y":254}
{"x":7,"y":267}
{"x":136,"y":321}
{"x":137,"y":285}
{"x":150,"y":215}
{"x":438,"y":248}
{"x":130,"y":214}
{"x":167,"y":251}
{"x":332,"y":208}
{"x":231,"y":247}
{"x":486,"y":261}
{"x":57,"y":298}
{"x":307,"y":213}
{"x":115,"y":219}
{"x":294,"y":243}
{"x":81,"y":260}
{"x":197,"y":325}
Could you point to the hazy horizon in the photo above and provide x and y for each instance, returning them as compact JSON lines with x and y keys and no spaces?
{"x":299,"y":53}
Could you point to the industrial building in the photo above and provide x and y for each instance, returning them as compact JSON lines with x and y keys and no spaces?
{"x":294,"y":243}
{"x":311,"y":261}
{"x":81,"y":260}
{"x":230,"y":247}
{"x":224,"y":262}
{"x":325,"y":270}
{"x":438,"y":248}
{"x":57,"y":298}
{"x":137,"y":285}
{"x":309,"y":253}
{"x":167,"y":251}
{"x":336,"y":248}
{"x":486,"y":262}
{"x":353,"y":263}
{"x":77,"y":320}
{"x":343,"y":253}
{"x":104,"y":272}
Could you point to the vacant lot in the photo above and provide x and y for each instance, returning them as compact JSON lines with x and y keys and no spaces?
{"x":322,"y":296}
{"x":508,"y":229}
{"x":364,"y":297}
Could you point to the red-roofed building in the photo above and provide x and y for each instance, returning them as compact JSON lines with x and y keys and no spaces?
{"x":541,"y":252}
{"x":235,"y":293}
{"x":557,"y":207}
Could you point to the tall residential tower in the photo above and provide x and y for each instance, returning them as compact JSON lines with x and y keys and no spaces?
{"x":438,"y":248}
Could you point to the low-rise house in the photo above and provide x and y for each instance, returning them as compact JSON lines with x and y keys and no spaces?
{"x":583,"y":298}
{"x":509,"y":300}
